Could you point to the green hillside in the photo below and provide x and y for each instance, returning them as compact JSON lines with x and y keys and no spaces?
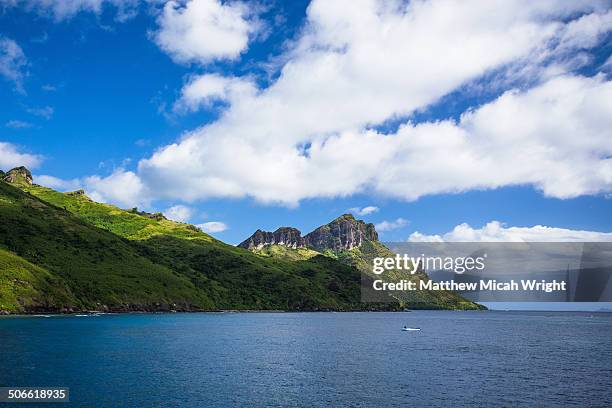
{"x":361,"y":258}
{"x":281,"y":251}
{"x":231,"y":277}
{"x":63,"y":252}
{"x":24,"y":286}
{"x":113,"y":259}
{"x":98,"y":267}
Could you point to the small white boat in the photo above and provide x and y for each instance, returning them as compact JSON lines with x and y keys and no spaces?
{"x":411,"y":328}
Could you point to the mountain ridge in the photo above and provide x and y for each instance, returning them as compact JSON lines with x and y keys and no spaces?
{"x":63,"y":252}
{"x":343,"y":233}
{"x":355,"y":243}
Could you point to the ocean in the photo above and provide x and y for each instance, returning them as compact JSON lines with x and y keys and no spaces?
{"x":314,"y":359}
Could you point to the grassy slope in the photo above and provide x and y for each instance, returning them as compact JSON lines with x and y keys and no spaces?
{"x":131,"y":260}
{"x":362,"y":258}
{"x":96,"y":266}
{"x":232,"y":278}
{"x":24,"y":286}
{"x":281,"y":251}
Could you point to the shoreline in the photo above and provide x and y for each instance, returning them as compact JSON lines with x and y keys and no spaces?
{"x":229,"y":311}
{"x":93,"y":313}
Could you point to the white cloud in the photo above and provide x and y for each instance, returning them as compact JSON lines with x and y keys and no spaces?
{"x":11,"y":157}
{"x":561,"y":142}
{"x":586,"y":32}
{"x":57,"y":183}
{"x":180,"y":213}
{"x":203,"y":90}
{"x":122,"y":188}
{"x":364,"y":211}
{"x":142,"y":142}
{"x":45,"y":112}
{"x":304,"y":137}
{"x":18,"y":124}
{"x":391,"y":225}
{"x":495,"y":231}
{"x":555,"y":137}
{"x":12,"y":63}
{"x":66,"y":9}
{"x":204,"y":30}
{"x":213,"y":226}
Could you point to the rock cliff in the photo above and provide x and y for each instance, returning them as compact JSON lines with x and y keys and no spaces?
{"x":18,"y":175}
{"x":286,"y":236}
{"x":343,"y":233}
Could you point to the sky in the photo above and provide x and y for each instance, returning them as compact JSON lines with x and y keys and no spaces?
{"x":435,"y":120}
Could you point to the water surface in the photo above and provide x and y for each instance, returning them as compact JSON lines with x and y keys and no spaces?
{"x":314,"y":359}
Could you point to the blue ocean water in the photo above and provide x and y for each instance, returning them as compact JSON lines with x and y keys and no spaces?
{"x":314,"y":359}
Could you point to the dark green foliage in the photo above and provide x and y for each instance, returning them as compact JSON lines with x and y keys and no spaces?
{"x":66,"y":252}
{"x":98,"y":267}
{"x":153,"y":263}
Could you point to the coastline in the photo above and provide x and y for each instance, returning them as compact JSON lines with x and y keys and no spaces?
{"x":245,"y":311}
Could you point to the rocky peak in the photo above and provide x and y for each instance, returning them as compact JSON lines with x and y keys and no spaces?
{"x":18,"y":175}
{"x":287,"y":236}
{"x":79,"y":193}
{"x":345,"y":232}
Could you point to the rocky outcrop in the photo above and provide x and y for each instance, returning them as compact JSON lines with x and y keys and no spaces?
{"x":286,"y":236}
{"x":154,"y":216}
{"x":80,"y":194}
{"x":18,"y":175}
{"x":343,"y":233}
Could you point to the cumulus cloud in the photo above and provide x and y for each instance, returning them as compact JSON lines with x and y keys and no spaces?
{"x":66,"y":9}
{"x":558,"y":131}
{"x":554,"y":137}
{"x":13,"y":62}
{"x":11,"y":156}
{"x":123,"y":188}
{"x":180,"y":213}
{"x":305,"y":135}
{"x":58,"y":183}
{"x":495,"y":231}
{"x":364,"y":211}
{"x":204,"y":90}
{"x":391,"y":225}
{"x":313,"y":131}
{"x":213,"y":226}
{"x":204,"y":30}
{"x":586,"y":31}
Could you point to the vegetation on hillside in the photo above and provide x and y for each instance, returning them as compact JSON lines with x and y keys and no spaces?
{"x":99,"y":268}
{"x":24,"y":285}
{"x":123,"y":260}
{"x":62,"y":252}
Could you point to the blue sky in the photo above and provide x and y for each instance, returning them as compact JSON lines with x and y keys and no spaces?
{"x":398,"y":118}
